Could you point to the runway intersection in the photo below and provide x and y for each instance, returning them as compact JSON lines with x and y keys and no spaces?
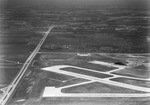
{"x":61,"y":78}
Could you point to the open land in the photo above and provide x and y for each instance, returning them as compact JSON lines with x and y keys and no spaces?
{"x":78,"y":55}
{"x":55,"y":78}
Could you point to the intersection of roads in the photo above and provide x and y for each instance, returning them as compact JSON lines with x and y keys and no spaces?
{"x":15,"y":82}
{"x":53,"y":91}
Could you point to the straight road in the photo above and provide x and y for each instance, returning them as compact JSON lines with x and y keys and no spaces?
{"x":15,"y":82}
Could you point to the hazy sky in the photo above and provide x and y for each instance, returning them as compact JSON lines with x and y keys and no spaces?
{"x":89,"y":2}
{"x":78,"y":2}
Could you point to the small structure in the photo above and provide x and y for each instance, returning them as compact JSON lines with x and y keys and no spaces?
{"x":120,"y":63}
{"x":84,"y":54}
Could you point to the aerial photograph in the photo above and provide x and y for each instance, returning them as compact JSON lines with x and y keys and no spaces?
{"x":74,"y":52}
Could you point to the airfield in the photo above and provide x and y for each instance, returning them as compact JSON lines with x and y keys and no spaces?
{"x":81,"y":78}
{"x":74,"y":54}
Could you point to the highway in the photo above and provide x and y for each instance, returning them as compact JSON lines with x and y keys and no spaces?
{"x":23,"y":70}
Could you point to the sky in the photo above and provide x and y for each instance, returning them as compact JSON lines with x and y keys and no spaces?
{"x":76,"y":2}
{"x":87,"y":2}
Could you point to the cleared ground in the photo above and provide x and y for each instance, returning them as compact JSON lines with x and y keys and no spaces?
{"x":66,"y":79}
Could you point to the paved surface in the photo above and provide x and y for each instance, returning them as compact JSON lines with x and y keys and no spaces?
{"x":93,"y":78}
{"x":14,"y":84}
{"x":56,"y":92}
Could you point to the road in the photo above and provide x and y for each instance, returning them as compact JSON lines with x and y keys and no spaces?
{"x":15,"y":82}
